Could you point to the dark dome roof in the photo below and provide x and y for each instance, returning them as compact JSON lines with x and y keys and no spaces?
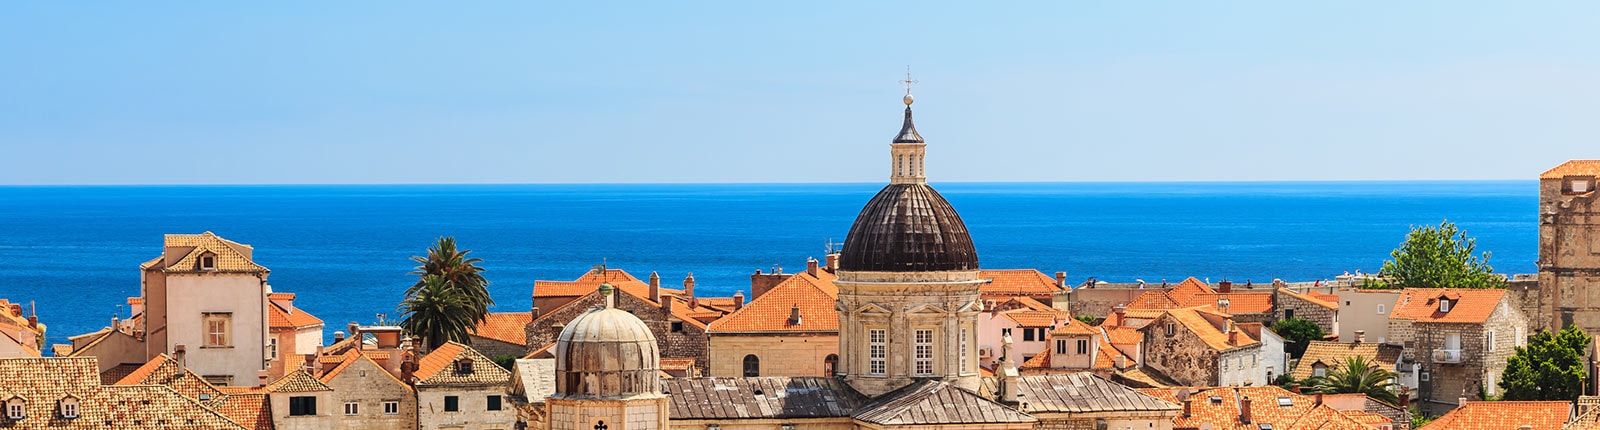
{"x":908,"y":228}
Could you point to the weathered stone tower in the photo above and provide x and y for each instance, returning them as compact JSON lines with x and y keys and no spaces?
{"x":908,"y":283}
{"x":607,"y":373}
{"x":1569,"y":248}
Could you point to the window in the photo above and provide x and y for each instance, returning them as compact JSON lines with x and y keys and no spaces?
{"x":1380,"y":309}
{"x":1172,"y":329}
{"x":272,"y":349}
{"x":923,"y":352}
{"x":752,"y":366}
{"x":391,"y":408}
{"x":300,"y":406}
{"x":494,"y":403}
{"x":1285,"y":401}
{"x":352,"y":408}
{"x":208,"y":262}
{"x":217,"y":326}
{"x":1424,"y":376}
{"x":1061,"y":346}
{"x":1027,"y":335}
{"x":464,"y":366}
{"x":1288,"y":313}
{"x":452,"y":404}
{"x":1579,"y":186}
{"x":877,"y":362}
{"x":1489,"y":338}
{"x":69,"y":407}
{"x":16,"y":408}
{"x":1083,"y":346}
{"x":1444,"y":305}
{"x":1488,"y":384}
{"x":1319,"y":370}
{"x":829,"y":363}
{"x":677,"y":326}
{"x":963,"y":352}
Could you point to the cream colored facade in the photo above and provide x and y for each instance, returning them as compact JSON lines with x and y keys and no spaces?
{"x":325,"y":418}
{"x":888,"y":309}
{"x":239,"y":298}
{"x":1366,"y":311}
{"x":473,"y":408}
{"x":780,"y":354}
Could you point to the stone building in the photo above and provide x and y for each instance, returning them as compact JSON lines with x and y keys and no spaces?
{"x":1289,"y":304}
{"x":205,"y":294}
{"x":366,"y":396}
{"x":1027,"y":320}
{"x":300,"y":401}
{"x":459,"y":388}
{"x":607,"y":376}
{"x":67,"y":393}
{"x":678,"y":331}
{"x":791,"y":329}
{"x":1461,"y":339}
{"x":1322,"y":357}
{"x":502,"y":334}
{"x":1269,"y":407}
{"x":1522,"y":415}
{"x":1569,"y":248}
{"x":1198,"y":347}
{"x":19,"y":336}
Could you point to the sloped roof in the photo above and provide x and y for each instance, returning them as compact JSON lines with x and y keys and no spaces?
{"x":591,"y":280}
{"x":1152,"y":299}
{"x":691,"y":315}
{"x":1084,"y":392}
{"x":231,"y":257}
{"x":1032,"y":318}
{"x":1188,"y":288}
{"x":116,"y":373}
{"x":279,"y":317}
{"x":1238,"y":303}
{"x":297,"y":382}
{"x":770,"y":312}
{"x":1314,"y":298}
{"x":436,"y":368}
{"x":677,"y":363}
{"x":1333,"y":354}
{"x":1472,"y":305}
{"x":251,"y":410}
{"x":158,"y":406}
{"x":508,"y":327}
{"x":1074,"y":327}
{"x":760,"y":397}
{"x":1017,"y":282}
{"x":1300,"y":412}
{"x":1213,"y":337}
{"x":1106,"y":359}
{"x":350,"y":358}
{"x":1503,"y":415}
{"x":163,"y":370}
{"x":926,"y":402}
{"x":1573,"y":168}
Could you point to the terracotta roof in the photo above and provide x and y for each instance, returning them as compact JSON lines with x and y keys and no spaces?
{"x":1327,"y":297}
{"x":1422,"y":304}
{"x":251,"y":410}
{"x":1074,"y":327}
{"x":1188,"y":288}
{"x":760,"y":397}
{"x":1017,"y":282}
{"x":1195,"y":322}
{"x":1503,"y":415}
{"x":691,"y":316}
{"x":1028,"y":302}
{"x":1123,"y":335}
{"x":278,"y":317}
{"x":166,"y":371}
{"x":231,"y":257}
{"x":1238,"y":303}
{"x":437,"y":368}
{"x":1314,"y":298}
{"x":1031,"y":318}
{"x":350,"y":358}
{"x":1333,"y":354}
{"x":676,"y":363}
{"x":44,"y":381}
{"x":1220,"y":408}
{"x":297,"y":382}
{"x":1153,"y":299}
{"x":1573,"y":168}
{"x":116,"y":373}
{"x":591,"y":281}
{"x":1084,"y":393}
{"x":927,"y":402}
{"x":1105,"y":360}
{"x":280,"y":296}
{"x":508,"y":327}
{"x":158,"y":406}
{"x":814,"y":297}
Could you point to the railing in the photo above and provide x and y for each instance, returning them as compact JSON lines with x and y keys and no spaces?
{"x":1446,"y":356}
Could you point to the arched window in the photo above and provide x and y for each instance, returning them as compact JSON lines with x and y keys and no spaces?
{"x":752,"y":366}
{"x":829,"y":363}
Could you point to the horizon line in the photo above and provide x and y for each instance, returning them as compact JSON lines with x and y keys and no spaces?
{"x":324,"y":184}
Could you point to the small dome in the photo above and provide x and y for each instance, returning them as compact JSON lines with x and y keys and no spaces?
{"x":607,"y":352}
{"x":908,"y":228}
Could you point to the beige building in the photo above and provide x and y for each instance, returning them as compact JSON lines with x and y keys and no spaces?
{"x":366,"y":396}
{"x":1460,"y":338}
{"x":1569,"y":248}
{"x":459,"y":388}
{"x":790,"y":329}
{"x":205,"y":295}
{"x":67,"y":393}
{"x":300,"y":401}
{"x":19,"y":336}
{"x":1365,"y":311}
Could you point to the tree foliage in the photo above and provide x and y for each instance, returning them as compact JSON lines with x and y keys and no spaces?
{"x":460,"y":273}
{"x":1358,"y":375}
{"x":1297,"y":334}
{"x":436,"y":312}
{"x":1437,"y":257}
{"x":1550,"y":367}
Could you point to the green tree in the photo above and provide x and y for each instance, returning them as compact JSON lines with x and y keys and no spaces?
{"x":459,"y":272}
{"x":1087,"y":319}
{"x":1437,"y":257}
{"x":436,"y":312}
{"x":1551,"y":367}
{"x":1297,"y":334}
{"x":1357,"y":375}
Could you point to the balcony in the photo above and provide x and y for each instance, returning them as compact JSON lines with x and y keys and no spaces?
{"x":1447,"y":356}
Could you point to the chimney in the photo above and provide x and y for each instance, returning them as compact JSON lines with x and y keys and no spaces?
{"x":1061,"y":280}
{"x":1121,"y":311}
{"x":1461,"y":402}
{"x":1361,"y":336}
{"x":762,"y":283}
{"x":1224,"y":286}
{"x":794,"y":315}
{"x":833,"y":263}
{"x":261,"y":378}
{"x":655,"y":287}
{"x":33,"y":321}
{"x":688,"y":285}
{"x":408,"y":367}
{"x":338,"y":336}
{"x":1121,"y":362}
{"x":1317,"y":401}
{"x":353,"y":328}
{"x":811,"y":267}
{"x":535,"y":312}
{"x":1009,"y":377}
{"x":1244,"y":410}
{"x":1186,"y":408}
{"x":181,"y":355}
{"x":1295,"y":388}
{"x":738,"y":300}
{"x":1405,"y":398}
{"x":1233,"y":334}
{"x":666,"y":305}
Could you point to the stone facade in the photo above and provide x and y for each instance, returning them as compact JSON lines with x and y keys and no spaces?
{"x":787,"y":354}
{"x":1287,"y":303}
{"x":688,"y":341}
{"x":496,"y":349}
{"x":472,"y":412}
{"x":1480,"y":361}
{"x":897,"y":305}
{"x":375,"y":394}
{"x":1569,"y":248}
{"x":1100,"y":300}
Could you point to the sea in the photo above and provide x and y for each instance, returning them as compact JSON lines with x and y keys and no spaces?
{"x":72,"y":252}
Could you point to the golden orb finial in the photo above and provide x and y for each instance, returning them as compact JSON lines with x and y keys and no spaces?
{"x":908,"y":99}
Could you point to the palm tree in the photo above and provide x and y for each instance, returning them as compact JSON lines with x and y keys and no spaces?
{"x":1357,"y":375}
{"x":459,"y":272}
{"x":436,"y":312}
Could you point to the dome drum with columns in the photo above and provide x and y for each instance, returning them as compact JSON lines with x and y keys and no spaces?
{"x":607,"y":373}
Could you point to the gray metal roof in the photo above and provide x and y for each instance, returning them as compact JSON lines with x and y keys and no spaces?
{"x":762,"y":397}
{"x":935,"y":402}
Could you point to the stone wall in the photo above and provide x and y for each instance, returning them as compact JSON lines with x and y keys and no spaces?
{"x":1099,"y":301}
{"x":798,"y":354}
{"x":1480,"y":366}
{"x":1569,"y":261}
{"x":472,"y":413}
{"x":1184,"y":357}
{"x":691,"y":341}
{"x":370,"y":386}
{"x":495,"y":349}
{"x":1301,"y":308}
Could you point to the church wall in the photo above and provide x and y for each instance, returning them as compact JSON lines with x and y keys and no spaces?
{"x":646,"y":413}
{"x":779,"y":354}
{"x":900,"y":304}
{"x":1569,"y":256}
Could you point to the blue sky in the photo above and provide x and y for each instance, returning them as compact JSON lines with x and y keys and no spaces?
{"x":514,"y":92}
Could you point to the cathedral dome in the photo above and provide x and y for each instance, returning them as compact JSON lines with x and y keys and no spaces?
{"x":908,"y":228}
{"x":607,"y":352}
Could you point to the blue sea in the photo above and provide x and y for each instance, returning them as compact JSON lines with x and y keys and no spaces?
{"x":345,"y":249}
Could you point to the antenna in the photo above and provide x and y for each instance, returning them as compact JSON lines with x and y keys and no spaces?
{"x":833,"y":247}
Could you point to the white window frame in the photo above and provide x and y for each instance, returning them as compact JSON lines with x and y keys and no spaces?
{"x":922,"y":352}
{"x":69,"y":408}
{"x":16,"y":409}
{"x":1489,"y":336}
{"x":1381,"y":309}
{"x":352,"y":409}
{"x":272,"y":349}
{"x":391,"y":408}
{"x":877,"y":352}
{"x":1083,"y":346}
{"x":219,"y":336}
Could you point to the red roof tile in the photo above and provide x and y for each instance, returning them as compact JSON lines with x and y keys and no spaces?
{"x":1573,"y":168}
{"x":770,"y":312}
{"x":1028,"y":282}
{"x":508,"y":327}
{"x":1032,"y":318}
{"x":1504,"y":415}
{"x":278,"y":317}
{"x":591,"y":281}
{"x":1471,"y":305}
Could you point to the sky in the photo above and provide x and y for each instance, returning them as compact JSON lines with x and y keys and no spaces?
{"x":648,"y":92}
